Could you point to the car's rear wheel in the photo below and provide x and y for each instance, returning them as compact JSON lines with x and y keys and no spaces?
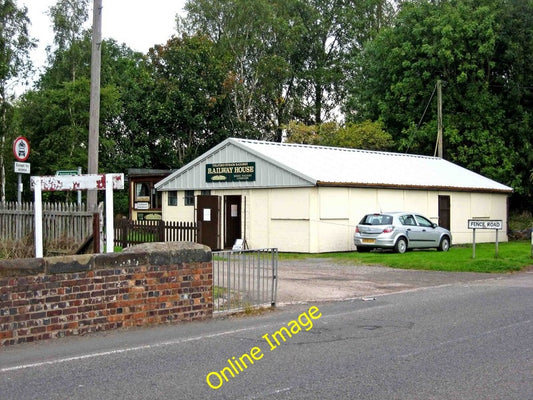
{"x":400,"y":246}
{"x":444,"y":244}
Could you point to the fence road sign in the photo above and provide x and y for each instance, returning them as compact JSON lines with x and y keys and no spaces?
{"x":485,"y":224}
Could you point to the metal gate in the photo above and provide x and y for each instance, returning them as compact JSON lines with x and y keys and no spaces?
{"x":245,"y":279}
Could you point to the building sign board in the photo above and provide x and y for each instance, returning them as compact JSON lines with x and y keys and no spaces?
{"x":230,"y":172}
{"x":142,"y":205}
{"x":485,"y":224}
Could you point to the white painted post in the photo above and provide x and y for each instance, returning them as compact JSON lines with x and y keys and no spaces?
{"x":38,"y":215}
{"x":474,"y":243}
{"x":496,"y":243}
{"x":109,"y":223}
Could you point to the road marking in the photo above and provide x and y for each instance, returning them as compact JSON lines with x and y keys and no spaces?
{"x":125,"y":350}
{"x":157,"y":345}
{"x":268,"y":394}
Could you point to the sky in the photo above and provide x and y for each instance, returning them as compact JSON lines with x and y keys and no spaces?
{"x":138,"y":23}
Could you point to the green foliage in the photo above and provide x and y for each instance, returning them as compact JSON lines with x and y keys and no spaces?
{"x":68,"y":17}
{"x":365,"y":135}
{"x":288,"y":59}
{"x":251,"y":68}
{"x":188,"y":103}
{"x":310,"y":134}
{"x":15,"y":44}
{"x":486,"y":100}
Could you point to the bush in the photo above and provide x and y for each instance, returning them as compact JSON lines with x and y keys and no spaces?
{"x":520,"y":225}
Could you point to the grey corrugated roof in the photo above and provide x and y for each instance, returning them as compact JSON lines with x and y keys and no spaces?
{"x":333,"y":165}
{"x":352,"y":167}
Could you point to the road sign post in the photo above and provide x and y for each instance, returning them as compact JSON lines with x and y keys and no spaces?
{"x":21,"y":150}
{"x":474,"y":224}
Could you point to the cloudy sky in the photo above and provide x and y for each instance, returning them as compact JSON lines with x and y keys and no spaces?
{"x":138,"y":23}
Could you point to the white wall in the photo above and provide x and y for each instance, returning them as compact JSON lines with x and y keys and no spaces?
{"x":177,"y":213}
{"x":467,"y":206}
{"x":323,"y":219}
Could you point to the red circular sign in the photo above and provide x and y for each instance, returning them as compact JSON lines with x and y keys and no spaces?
{"x":21,"y":148}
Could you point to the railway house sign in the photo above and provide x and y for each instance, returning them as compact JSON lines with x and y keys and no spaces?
{"x":230,"y":172}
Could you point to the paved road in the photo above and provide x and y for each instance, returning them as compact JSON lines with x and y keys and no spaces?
{"x":467,"y":340}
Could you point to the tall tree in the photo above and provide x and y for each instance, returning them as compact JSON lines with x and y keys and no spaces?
{"x":56,"y":113}
{"x":512,"y":82}
{"x":471,"y":46}
{"x":15,"y":44}
{"x":247,"y":34}
{"x":68,"y":18}
{"x":289,"y":57}
{"x":188,"y":103}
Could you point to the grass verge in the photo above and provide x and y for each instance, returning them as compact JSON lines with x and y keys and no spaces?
{"x":512,"y":256}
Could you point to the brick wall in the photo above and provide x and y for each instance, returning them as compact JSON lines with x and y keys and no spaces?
{"x":61,"y":296}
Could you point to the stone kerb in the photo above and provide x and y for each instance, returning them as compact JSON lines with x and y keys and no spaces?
{"x":151,"y":283}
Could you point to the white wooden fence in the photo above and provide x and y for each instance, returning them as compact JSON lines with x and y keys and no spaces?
{"x":61,"y":221}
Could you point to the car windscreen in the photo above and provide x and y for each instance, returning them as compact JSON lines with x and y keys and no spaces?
{"x":376,"y":219}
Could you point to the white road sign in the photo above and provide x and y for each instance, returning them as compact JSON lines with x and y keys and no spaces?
{"x":22,"y":167}
{"x":485,"y":224}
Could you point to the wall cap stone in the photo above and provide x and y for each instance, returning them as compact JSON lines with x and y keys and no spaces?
{"x":68,"y":264}
{"x":154,"y":253}
{"x":164,"y":253}
{"x":22,"y":267}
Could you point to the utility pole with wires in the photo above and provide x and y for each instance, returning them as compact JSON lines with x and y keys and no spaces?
{"x":94,"y":118}
{"x":438,"y":149}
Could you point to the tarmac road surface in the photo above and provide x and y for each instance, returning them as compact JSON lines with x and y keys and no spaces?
{"x":321,"y":279}
{"x":465,"y":338}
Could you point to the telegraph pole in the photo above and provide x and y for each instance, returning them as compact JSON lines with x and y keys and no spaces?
{"x":94,"y":121}
{"x":439,"y":118}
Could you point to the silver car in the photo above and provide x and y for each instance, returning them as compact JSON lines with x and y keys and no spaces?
{"x":400,"y":231}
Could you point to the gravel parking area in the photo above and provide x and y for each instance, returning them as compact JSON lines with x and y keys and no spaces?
{"x":323,"y":279}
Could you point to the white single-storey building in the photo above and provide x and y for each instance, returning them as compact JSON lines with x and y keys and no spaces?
{"x":302,"y":198}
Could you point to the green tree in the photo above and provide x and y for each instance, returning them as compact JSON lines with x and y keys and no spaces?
{"x":15,"y":44}
{"x":512,"y":82}
{"x":289,"y":58}
{"x":465,"y":43}
{"x":56,"y":113}
{"x":68,"y":18}
{"x":298,"y":132}
{"x":188,"y":110}
{"x":365,"y":135}
{"x":253,"y":37}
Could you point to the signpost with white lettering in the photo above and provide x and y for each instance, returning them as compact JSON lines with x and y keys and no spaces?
{"x":474,"y":224}
{"x":106,"y":182}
